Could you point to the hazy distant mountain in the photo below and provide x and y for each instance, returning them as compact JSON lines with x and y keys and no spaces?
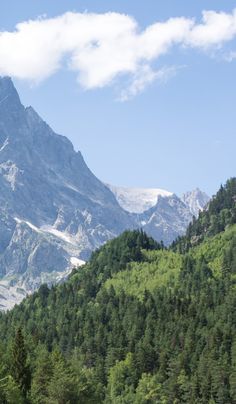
{"x":196,"y":200}
{"x":54,"y":212}
{"x":137,"y":200}
{"x":161,"y":213}
{"x":166,"y":220}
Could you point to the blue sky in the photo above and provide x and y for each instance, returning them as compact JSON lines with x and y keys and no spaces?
{"x":168,"y":124}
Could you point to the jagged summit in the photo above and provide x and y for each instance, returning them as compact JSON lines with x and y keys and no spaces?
{"x":8,"y":95}
{"x":12,"y":112}
{"x":7,"y":87}
{"x":196,"y":200}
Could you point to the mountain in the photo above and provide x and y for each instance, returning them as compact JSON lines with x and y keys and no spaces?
{"x":162,"y":214}
{"x":167,"y":219}
{"x":137,"y":200}
{"x":196,"y":200}
{"x":138,"y":323}
{"x":54,"y":211}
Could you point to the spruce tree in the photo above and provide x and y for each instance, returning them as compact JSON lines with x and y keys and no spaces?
{"x":20,"y":368}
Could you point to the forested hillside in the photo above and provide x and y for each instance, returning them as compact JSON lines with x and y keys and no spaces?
{"x":137,"y":324}
{"x":218,"y":215}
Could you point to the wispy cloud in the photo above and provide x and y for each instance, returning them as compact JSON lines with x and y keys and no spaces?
{"x":230,"y":56}
{"x":102,"y":47}
{"x":144,"y":77}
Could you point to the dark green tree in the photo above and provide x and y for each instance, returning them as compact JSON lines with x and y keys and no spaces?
{"x":20,"y":368}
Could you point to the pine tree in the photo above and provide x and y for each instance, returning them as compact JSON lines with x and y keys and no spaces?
{"x":41,"y":377}
{"x":62,"y":387}
{"x":20,"y":368}
{"x":12,"y":392}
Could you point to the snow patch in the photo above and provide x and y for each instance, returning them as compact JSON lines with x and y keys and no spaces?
{"x":50,"y":230}
{"x":138,"y":200}
{"x":32,"y":226}
{"x":62,"y":235}
{"x":76,"y":262}
{"x":10,"y":172}
{"x":4,"y":144}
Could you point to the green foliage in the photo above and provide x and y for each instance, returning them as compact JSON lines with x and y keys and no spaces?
{"x":20,"y":368}
{"x":220,"y":213}
{"x":42,"y":376}
{"x":121,"y":381}
{"x":12,"y":393}
{"x":115,"y":255}
{"x":137,"y":324}
{"x":149,"y":390}
{"x":61,"y":387}
{"x":160,"y":270}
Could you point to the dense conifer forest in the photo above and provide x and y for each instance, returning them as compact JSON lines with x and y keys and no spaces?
{"x":137,"y":324}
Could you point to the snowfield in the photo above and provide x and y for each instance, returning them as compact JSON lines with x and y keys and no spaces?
{"x":138,"y":200}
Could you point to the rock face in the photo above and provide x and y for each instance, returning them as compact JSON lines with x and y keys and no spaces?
{"x":52,"y":207}
{"x":54,"y":211}
{"x":161,"y":213}
{"x":167,"y":220}
{"x":196,"y":200}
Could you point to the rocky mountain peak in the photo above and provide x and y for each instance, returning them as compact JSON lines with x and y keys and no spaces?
{"x":7,"y":87}
{"x":12,"y":112}
{"x":9,"y":98}
{"x":196,"y":200}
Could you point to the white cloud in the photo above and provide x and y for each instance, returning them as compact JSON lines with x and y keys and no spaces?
{"x":101,"y":47}
{"x":215,"y":29}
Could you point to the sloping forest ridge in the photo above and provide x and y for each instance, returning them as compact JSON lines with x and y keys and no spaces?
{"x":137,"y":324}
